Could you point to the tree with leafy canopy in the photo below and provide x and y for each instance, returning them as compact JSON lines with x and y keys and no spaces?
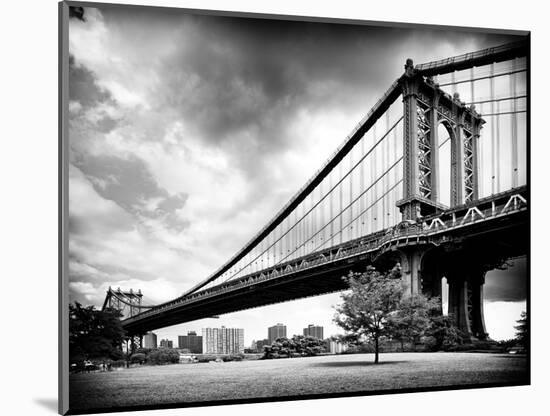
{"x":94,"y":334}
{"x":522,"y":330}
{"x":307,"y":345}
{"x":298,"y":345}
{"x":367,"y":307}
{"x":444,"y":331}
{"x":163,"y":356}
{"x":413,"y":320}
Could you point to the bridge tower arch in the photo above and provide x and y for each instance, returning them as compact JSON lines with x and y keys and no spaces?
{"x":442,"y":181}
{"x":425,"y":108}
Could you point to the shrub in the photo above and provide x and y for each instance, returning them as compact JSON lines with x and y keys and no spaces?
{"x":233,"y":357}
{"x":163,"y":356}
{"x":206,"y":358}
{"x":144,"y":351}
{"x":446,"y":335}
{"x":507,"y":344}
{"x":138,"y":357}
{"x":297,"y":346}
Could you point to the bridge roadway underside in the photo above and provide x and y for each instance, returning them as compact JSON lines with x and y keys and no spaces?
{"x":324,"y":279}
{"x":482,"y":244}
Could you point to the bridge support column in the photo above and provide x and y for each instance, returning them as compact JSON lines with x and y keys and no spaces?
{"x":411,"y":264}
{"x":458,"y":303}
{"x":476,"y":282}
{"x":430,"y":281}
{"x":466,"y":301}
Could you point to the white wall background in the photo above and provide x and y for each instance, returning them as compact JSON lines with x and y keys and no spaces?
{"x":28,"y":208}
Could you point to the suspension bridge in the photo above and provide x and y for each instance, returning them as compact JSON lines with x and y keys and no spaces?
{"x":434,"y":177}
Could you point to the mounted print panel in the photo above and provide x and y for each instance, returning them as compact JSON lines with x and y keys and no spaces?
{"x":261,"y":208}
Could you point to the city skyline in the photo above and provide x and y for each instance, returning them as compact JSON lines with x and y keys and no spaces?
{"x":177,"y":340}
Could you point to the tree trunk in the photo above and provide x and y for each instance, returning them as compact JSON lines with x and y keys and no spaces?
{"x":376,"y":350}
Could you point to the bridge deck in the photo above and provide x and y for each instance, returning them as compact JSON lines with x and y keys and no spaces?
{"x":499,"y":218}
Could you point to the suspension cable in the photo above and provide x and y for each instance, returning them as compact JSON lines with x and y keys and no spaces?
{"x":355,"y":200}
{"x":353,"y":220}
{"x":320,"y":200}
{"x":500,"y":74}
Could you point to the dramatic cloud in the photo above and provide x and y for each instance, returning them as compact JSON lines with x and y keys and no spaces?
{"x":188,"y":132}
{"x":129,"y":183}
{"x":508,"y":285}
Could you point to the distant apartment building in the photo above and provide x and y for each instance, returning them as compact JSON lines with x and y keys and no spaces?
{"x":314,"y":331}
{"x":336,"y":347}
{"x":276,"y":331}
{"x":166,"y":343}
{"x":222,"y":340}
{"x":150,"y":340}
{"x":191,"y":342}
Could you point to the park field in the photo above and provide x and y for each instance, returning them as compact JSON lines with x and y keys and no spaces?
{"x":334,"y":374}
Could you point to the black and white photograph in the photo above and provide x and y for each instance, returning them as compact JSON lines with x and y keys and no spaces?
{"x":264,"y":208}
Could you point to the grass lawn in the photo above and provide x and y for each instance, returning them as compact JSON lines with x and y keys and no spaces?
{"x":149,"y":385}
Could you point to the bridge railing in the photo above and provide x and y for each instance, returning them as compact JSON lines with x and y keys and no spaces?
{"x":471,"y":59}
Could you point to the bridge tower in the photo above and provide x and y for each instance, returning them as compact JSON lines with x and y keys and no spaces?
{"x":129,"y":304}
{"x":425,"y":108}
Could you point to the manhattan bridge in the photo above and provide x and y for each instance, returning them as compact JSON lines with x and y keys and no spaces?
{"x":434,"y":177}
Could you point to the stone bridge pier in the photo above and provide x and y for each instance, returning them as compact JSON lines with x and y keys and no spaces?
{"x":423,"y":268}
{"x":466,"y":299}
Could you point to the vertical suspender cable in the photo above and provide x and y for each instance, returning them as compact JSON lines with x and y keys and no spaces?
{"x":277,"y":244}
{"x":294,"y":231}
{"x":341,"y":203}
{"x":397,"y":171}
{"x":493,"y":150}
{"x":322,"y":208}
{"x":310,"y":222}
{"x":474,"y":144}
{"x":321,"y":220}
{"x":362,"y":186}
{"x":513,"y":135}
{"x":351,"y":231}
{"x":298,"y":229}
{"x":288,"y":237}
{"x":303,"y":228}
{"x":497,"y":134}
{"x":274,"y":254}
{"x":281,"y":251}
{"x":387,"y":178}
{"x":331,"y":215}
{"x":374,"y":177}
{"x":318,"y":214}
{"x":306,"y":224}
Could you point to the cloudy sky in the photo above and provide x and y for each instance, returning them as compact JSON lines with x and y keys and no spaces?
{"x":188,"y":133}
